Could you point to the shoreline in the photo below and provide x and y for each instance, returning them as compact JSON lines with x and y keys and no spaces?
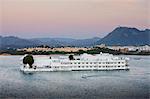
{"x":91,"y":51}
{"x":67,"y":54}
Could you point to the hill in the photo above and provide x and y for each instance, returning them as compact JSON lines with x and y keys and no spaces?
{"x":126,"y":36}
{"x":15,"y":42}
{"x":10,"y":42}
{"x":67,"y":41}
{"x":119,"y":36}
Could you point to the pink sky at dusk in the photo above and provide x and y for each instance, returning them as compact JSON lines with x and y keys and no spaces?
{"x":71,"y":18}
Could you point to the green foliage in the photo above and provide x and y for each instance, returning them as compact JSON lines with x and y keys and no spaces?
{"x":81,"y":52}
{"x":71,"y":57}
{"x":28,"y":60}
{"x":95,"y":50}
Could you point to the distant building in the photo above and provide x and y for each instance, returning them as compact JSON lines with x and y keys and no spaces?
{"x":101,"y":46}
{"x":64,"y":49}
{"x":124,"y":50}
{"x":145,"y":48}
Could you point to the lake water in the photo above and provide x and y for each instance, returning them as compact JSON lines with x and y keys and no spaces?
{"x":132,"y":84}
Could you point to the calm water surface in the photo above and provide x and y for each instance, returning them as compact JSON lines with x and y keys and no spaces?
{"x":132,"y":84}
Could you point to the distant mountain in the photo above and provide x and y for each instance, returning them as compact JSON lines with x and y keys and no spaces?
{"x":126,"y":36}
{"x":119,"y":36}
{"x":47,"y":41}
{"x":15,"y":42}
{"x":67,"y":41}
{"x":85,"y":42}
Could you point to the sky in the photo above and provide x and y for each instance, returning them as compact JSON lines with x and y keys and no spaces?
{"x":71,"y":18}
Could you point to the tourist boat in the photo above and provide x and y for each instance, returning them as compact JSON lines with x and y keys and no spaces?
{"x":102,"y":61}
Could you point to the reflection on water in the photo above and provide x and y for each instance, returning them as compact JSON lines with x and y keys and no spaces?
{"x":132,"y":84}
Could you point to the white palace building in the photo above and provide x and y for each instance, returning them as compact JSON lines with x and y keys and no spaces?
{"x":102,"y":61}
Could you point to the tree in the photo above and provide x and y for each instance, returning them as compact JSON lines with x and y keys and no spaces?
{"x":81,"y":51}
{"x":71,"y":57}
{"x":28,"y":59}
